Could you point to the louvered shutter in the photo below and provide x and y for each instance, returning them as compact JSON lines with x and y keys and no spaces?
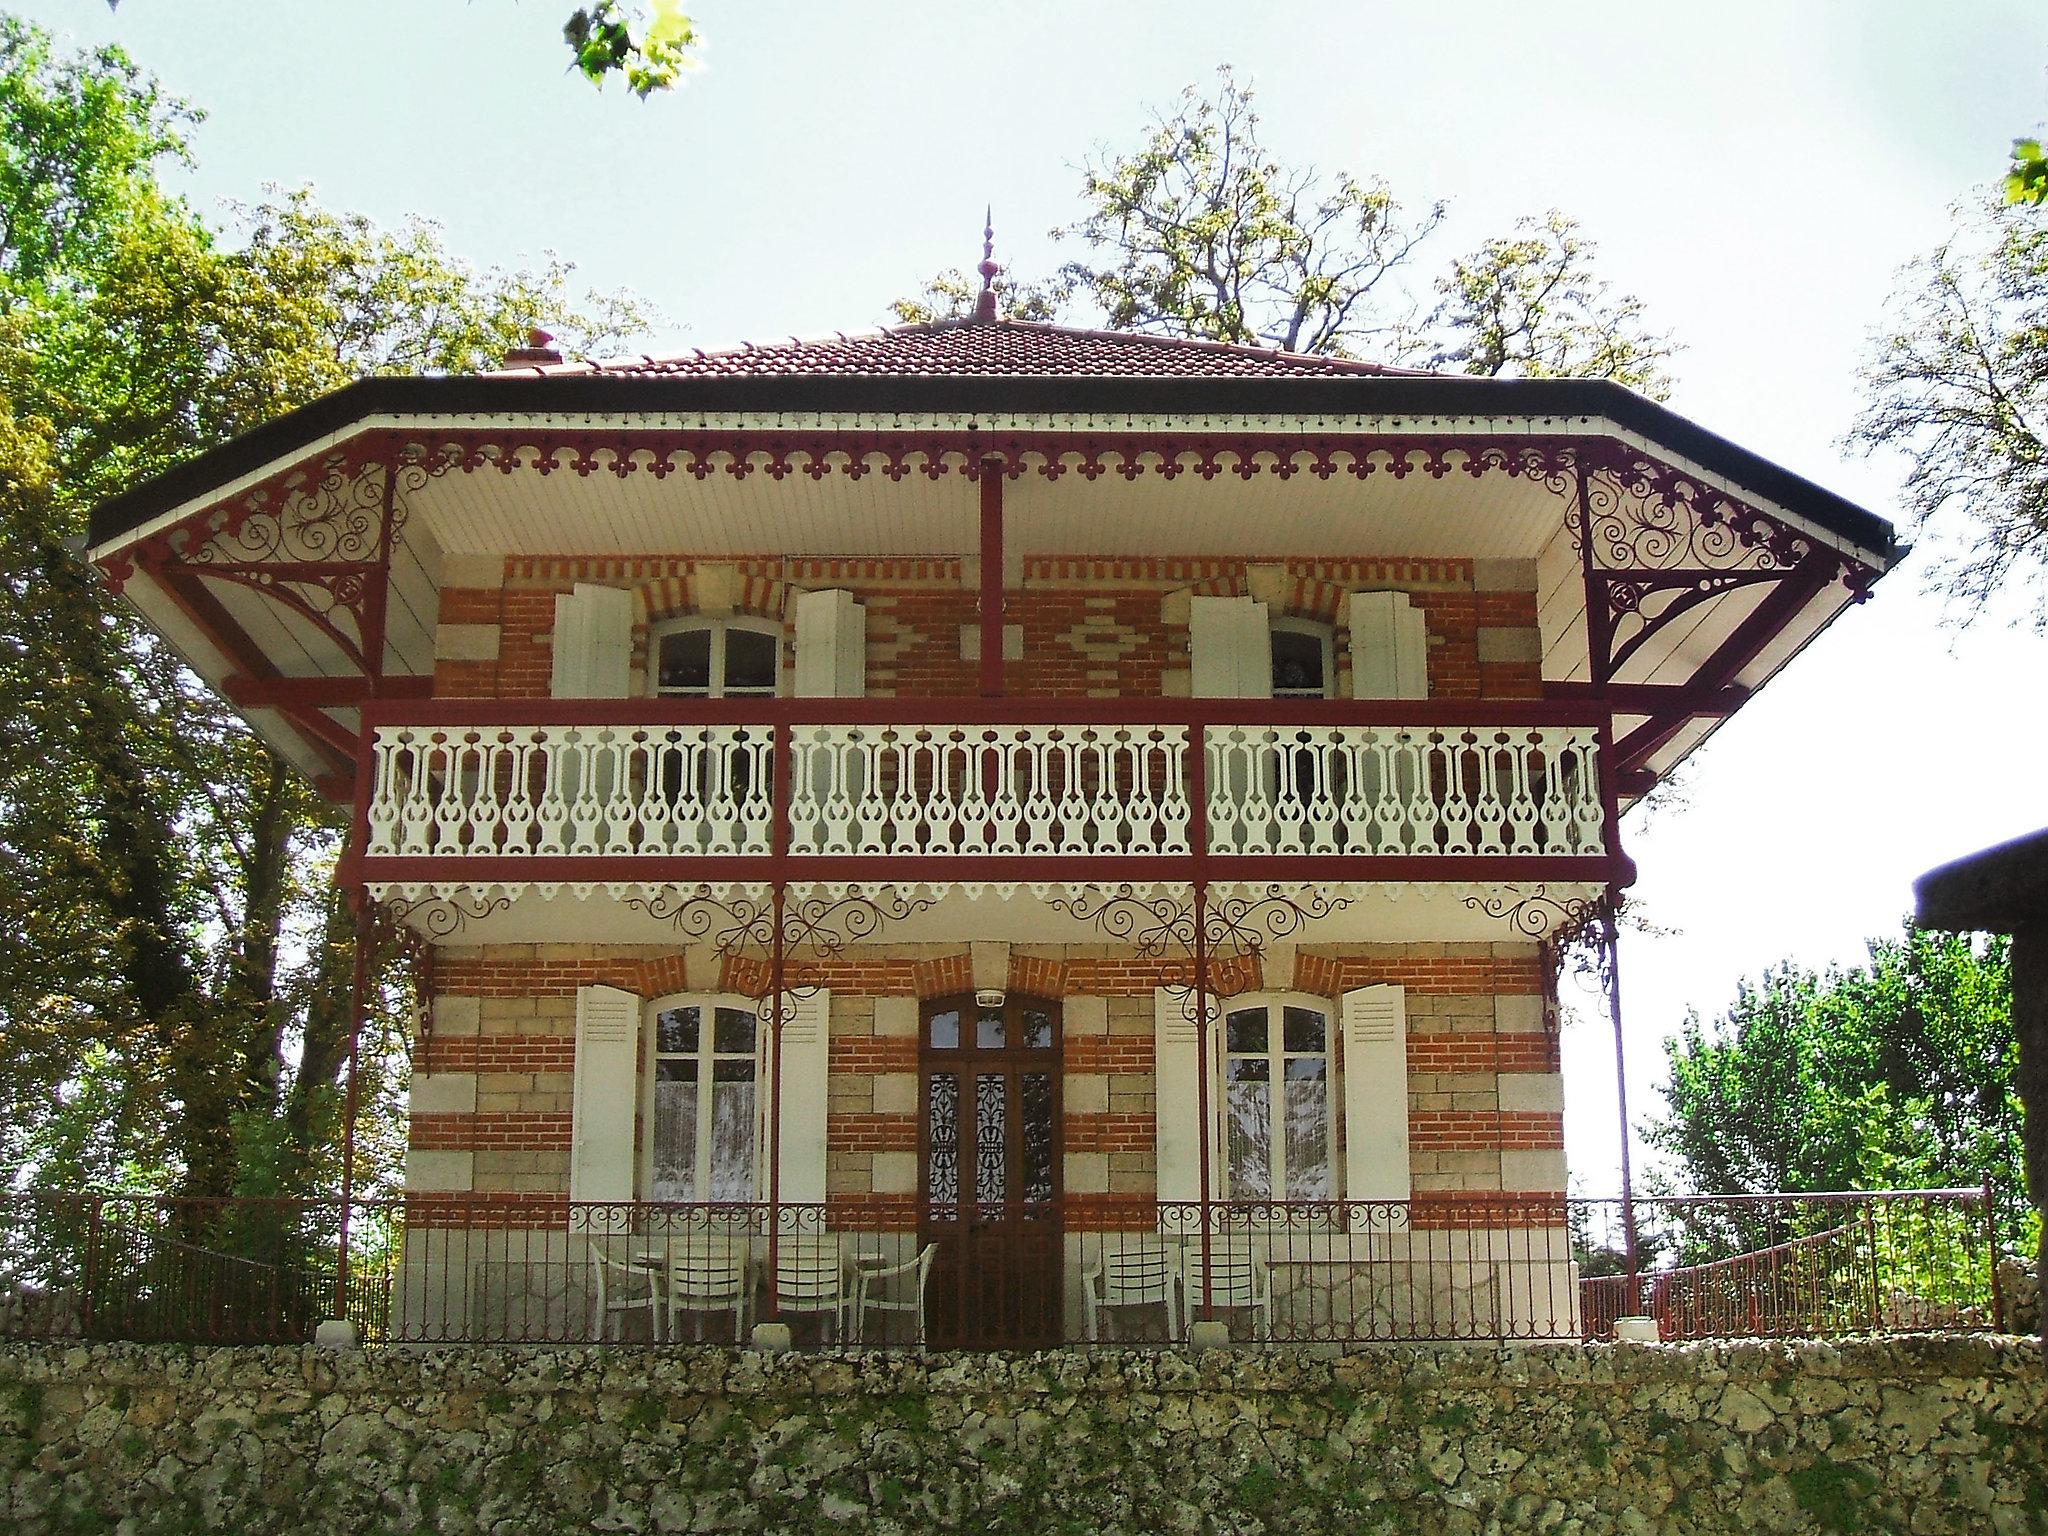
{"x":1375,"y":1026}
{"x":831,"y":646}
{"x":1177,"y":1069}
{"x":1389,"y":647}
{"x":593,"y":643}
{"x":1230,"y":648}
{"x":801,"y":1136}
{"x":604,"y":1104}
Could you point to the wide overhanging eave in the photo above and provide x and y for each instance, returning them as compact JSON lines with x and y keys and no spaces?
{"x":1436,"y":399}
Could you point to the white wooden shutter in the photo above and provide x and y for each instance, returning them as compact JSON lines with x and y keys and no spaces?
{"x":593,"y":643}
{"x":801,"y":1136}
{"x":1375,"y":1025}
{"x":831,"y":646}
{"x":604,"y":1103}
{"x":1230,"y":648}
{"x":1177,"y":1069}
{"x":1389,"y":647}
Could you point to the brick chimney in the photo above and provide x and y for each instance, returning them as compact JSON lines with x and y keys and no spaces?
{"x":539,"y":351}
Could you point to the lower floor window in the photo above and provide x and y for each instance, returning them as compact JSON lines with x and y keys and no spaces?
{"x":1276,"y":1072}
{"x":703,"y":1118}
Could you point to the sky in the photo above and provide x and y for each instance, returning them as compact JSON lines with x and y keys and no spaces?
{"x":1756,"y":171}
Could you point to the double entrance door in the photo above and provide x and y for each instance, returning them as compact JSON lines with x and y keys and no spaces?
{"x":989,"y":1171}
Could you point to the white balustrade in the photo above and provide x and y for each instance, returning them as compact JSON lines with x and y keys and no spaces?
{"x":610,"y":790}
{"x":997,"y":789}
{"x":1401,"y":790}
{"x":626,"y":790}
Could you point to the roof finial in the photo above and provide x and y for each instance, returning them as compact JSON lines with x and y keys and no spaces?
{"x":985,"y":305}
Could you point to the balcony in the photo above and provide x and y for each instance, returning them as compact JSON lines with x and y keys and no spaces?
{"x":954,"y":790}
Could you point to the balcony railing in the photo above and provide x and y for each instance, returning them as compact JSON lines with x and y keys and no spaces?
{"x":1418,"y":785}
{"x":882,"y":1272}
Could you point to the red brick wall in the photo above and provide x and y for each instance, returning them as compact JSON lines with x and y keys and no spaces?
{"x":1091,"y":626}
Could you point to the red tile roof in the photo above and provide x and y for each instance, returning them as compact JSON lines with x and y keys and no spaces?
{"x":967,"y":348}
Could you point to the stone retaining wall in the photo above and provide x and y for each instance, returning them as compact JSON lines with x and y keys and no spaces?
{"x":1907,"y":1434}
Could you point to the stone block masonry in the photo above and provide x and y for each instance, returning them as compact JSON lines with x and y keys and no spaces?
{"x":1907,"y":1434}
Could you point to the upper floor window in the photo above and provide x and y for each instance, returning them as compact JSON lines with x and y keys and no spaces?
{"x":1276,"y":1100}
{"x":702,"y":1118}
{"x":716,"y":658}
{"x":1301,"y":660}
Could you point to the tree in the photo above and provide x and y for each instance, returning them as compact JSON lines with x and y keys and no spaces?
{"x":650,"y":46}
{"x":1896,"y":1073}
{"x":174,"y":1000}
{"x":1529,"y":306}
{"x":1203,"y":233}
{"x":1958,"y":382}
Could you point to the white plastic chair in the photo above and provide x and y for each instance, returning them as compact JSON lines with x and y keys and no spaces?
{"x":617,"y":1289}
{"x":1137,"y":1271}
{"x":870,"y":1275}
{"x":710,"y":1274}
{"x":810,"y":1277}
{"x":1239,"y":1281}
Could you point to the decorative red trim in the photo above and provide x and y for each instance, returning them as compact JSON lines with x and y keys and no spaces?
{"x":1173,"y":713}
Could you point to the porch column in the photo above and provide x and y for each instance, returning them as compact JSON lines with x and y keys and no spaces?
{"x":358,"y":1002}
{"x":991,"y":577}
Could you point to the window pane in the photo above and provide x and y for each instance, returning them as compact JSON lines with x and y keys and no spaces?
{"x":1037,"y":1109}
{"x":1307,"y":1108}
{"x":732,"y":1135}
{"x":1297,"y":663}
{"x":1248,"y":1134}
{"x":675,"y":1132}
{"x":730,"y":1071}
{"x":733,"y":1030}
{"x":1037,"y":1029}
{"x":942,"y":1179}
{"x":1304,"y":1030}
{"x":945,"y":1030}
{"x":686,"y":661}
{"x":991,"y":1143}
{"x":749,"y":661}
{"x":988,"y":1029}
{"x":675,"y":1031}
{"x":1246,"y":1031}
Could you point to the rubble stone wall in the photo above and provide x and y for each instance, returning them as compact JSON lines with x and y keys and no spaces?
{"x":1907,"y":1434}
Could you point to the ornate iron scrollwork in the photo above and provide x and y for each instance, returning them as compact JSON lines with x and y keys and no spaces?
{"x":1537,"y":913}
{"x":816,"y":925}
{"x":1236,"y":925}
{"x":441,"y":914}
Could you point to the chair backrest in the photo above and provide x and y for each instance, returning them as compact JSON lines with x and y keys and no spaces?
{"x":1135,"y":1271}
{"x":1237,"y":1275}
{"x":711,"y":1269}
{"x":808,"y":1269}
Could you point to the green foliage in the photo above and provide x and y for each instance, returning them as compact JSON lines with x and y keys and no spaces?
{"x":1203,"y":233}
{"x":651,"y":46}
{"x":2027,"y":180}
{"x":1957,"y":381}
{"x":173,"y":1006}
{"x":951,"y":295}
{"x":1528,"y":306}
{"x":1897,"y":1073}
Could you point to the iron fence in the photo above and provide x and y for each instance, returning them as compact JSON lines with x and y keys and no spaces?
{"x":889,"y":1272}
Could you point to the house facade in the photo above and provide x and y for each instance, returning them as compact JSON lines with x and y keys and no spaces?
{"x":985,"y":831}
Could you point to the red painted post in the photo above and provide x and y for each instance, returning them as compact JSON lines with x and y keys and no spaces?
{"x":778,"y":1001}
{"x":358,"y":1001}
{"x":1198,"y":847}
{"x":991,"y":578}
